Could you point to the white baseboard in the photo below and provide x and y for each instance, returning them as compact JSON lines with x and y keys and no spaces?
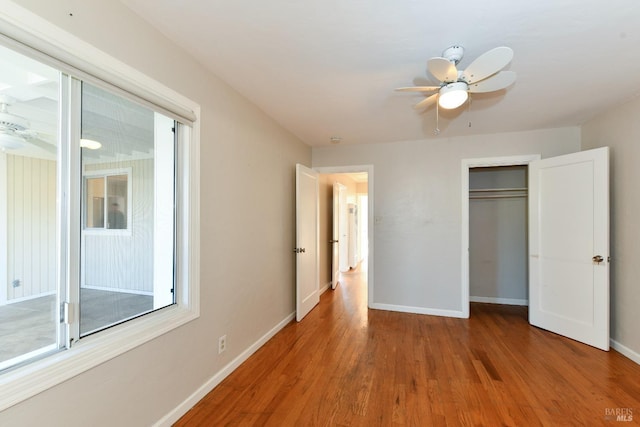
{"x":30,"y":297}
{"x":121,"y":290}
{"x":506,"y":301}
{"x":625,"y":351}
{"x":210,"y":384}
{"x":418,"y":310}
{"x":325,"y":288}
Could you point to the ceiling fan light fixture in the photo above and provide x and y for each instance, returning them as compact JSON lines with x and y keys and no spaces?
{"x":453,"y":95}
{"x":11,"y":142}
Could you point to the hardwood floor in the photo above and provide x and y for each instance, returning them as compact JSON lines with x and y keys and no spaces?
{"x":346,"y":365}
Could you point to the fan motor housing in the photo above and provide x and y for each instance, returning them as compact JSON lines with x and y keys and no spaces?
{"x":453,"y":54}
{"x":11,"y":121}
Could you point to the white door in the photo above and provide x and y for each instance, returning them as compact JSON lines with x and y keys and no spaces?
{"x":335,"y":237}
{"x":307,"y":214}
{"x":343,"y":226}
{"x":569,"y":246}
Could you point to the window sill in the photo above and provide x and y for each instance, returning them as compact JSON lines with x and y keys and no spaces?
{"x":21,"y":383}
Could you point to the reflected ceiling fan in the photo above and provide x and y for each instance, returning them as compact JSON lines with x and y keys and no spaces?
{"x":482,"y":75}
{"x":15,"y":133}
{"x":14,"y":130}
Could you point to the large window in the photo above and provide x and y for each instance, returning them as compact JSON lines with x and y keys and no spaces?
{"x":127,"y":151}
{"x":97,"y":204}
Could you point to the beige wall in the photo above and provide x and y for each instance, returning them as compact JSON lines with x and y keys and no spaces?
{"x":247,"y":232}
{"x":326,"y":229}
{"x":417,"y":209}
{"x":619,"y":129}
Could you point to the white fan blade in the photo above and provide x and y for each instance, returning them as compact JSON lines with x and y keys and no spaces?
{"x":426,"y":102}
{"x":418,"y":89}
{"x":43,"y":145}
{"x":442,"y":69}
{"x":493,"y":83}
{"x":487,"y":64}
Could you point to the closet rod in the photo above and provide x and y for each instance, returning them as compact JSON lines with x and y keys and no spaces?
{"x":500,"y":196}
{"x":491,"y":190}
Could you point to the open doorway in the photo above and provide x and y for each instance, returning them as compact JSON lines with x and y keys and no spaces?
{"x":498,"y":230}
{"x":345,"y":202}
{"x":494,"y":179}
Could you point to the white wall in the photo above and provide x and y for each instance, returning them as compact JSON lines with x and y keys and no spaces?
{"x":4,"y":279}
{"x":247,"y":226}
{"x":124,"y":262}
{"x":619,"y":129}
{"x":417,"y":209}
{"x":31,"y":232}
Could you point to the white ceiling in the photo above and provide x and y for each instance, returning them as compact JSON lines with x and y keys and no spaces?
{"x":325,"y":68}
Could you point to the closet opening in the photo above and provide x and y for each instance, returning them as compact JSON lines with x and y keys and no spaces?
{"x":498,"y":235}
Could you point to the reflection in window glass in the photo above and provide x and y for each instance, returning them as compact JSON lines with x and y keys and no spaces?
{"x":127,"y":242}
{"x":113,"y":206}
{"x":95,"y":203}
{"x":29,"y":300}
{"x":117,"y":195}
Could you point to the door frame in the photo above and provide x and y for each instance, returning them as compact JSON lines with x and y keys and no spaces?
{"x":326,"y":170}
{"x":464,"y":248}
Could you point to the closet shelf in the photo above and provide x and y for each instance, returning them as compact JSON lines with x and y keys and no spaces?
{"x":498,"y":193}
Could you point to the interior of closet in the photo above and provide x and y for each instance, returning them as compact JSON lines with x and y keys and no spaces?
{"x":498,"y":245}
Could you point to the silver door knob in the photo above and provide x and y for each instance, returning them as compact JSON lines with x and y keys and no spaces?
{"x":598,"y":259}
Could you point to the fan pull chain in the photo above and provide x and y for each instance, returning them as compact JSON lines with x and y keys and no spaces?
{"x":469,"y":109}
{"x":436,"y":131}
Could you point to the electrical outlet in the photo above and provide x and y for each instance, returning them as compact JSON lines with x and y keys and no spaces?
{"x":222,"y":344}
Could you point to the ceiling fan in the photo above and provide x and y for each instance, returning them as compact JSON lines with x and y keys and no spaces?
{"x":14,"y":130}
{"x":481,"y":76}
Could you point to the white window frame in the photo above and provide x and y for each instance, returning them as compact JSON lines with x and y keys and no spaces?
{"x":21,"y":383}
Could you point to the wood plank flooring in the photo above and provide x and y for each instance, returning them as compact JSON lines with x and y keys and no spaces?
{"x":345,"y":365}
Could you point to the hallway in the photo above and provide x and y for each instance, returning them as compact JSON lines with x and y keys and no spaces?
{"x":347,"y":365}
